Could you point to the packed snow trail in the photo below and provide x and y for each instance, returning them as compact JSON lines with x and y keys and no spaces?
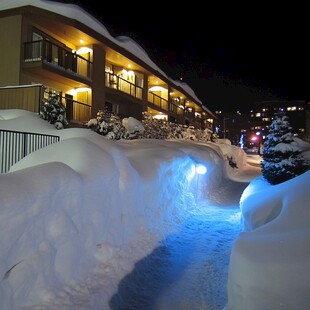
{"x":186,"y":271}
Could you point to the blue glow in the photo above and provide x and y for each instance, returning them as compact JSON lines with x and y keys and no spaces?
{"x":201,"y":169}
{"x":241,"y":142}
{"x":191,"y":172}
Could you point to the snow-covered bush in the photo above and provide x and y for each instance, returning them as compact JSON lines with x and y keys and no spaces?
{"x":282,"y":159}
{"x":134,"y":128}
{"x":110,"y":125}
{"x":162,"y":129}
{"x":155,"y":128}
{"x":54,"y":112}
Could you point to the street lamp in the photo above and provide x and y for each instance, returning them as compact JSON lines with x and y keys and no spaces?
{"x":257,"y":139}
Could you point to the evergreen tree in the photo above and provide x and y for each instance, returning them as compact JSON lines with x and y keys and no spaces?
{"x":54,"y":112}
{"x":282,"y":159}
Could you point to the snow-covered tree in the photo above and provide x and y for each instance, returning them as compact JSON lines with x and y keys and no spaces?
{"x":282,"y":159}
{"x":54,"y":112}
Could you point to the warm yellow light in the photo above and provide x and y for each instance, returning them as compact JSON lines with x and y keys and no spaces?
{"x":84,"y":50}
{"x":81,"y":41}
{"x":81,"y":89}
{"x":157,"y":88}
{"x":161,"y":116}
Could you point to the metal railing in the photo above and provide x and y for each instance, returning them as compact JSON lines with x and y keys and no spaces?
{"x":52,"y":54}
{"x":158,"y":101}
{"x":75,"y":110}
{"x":16,"y":145}
{"x":114,"y":81}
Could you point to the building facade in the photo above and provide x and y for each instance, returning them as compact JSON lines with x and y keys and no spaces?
{"x":72,"y":55}
{"x":250,"y":128}
{"x":297,"y":111}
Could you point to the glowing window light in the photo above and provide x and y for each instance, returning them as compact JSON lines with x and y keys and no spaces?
{"x":82,"y":89}
{"x":201,"y":169}
{"x":84,"y":50}
{"x":157,"y":88}
{"x":161,"y":116}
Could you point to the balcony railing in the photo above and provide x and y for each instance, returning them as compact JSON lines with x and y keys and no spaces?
{"x":16,"y":145}
{"x":158,"y":101}
{"x":176,"y":109}
{"x":114,"y":81}
{"x":75,"y":110}
{"x":54,"y":55}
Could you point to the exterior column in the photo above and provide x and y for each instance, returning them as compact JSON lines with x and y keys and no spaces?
{"x":98,"y":85}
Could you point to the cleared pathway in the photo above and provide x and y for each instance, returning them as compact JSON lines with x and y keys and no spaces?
{"x":189,"y":270}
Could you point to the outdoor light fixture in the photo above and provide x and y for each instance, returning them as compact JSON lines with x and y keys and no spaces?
{"x":200,"y":169}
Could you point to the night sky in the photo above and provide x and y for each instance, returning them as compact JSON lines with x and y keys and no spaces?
{"x":231,"y":57}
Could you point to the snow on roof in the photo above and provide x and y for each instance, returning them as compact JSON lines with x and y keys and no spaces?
{"x":75,"y":12}
{"x":133,"y":47}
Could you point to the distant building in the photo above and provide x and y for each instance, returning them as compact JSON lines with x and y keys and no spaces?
{"x":297,"y":111}
{"x":253,"y":126}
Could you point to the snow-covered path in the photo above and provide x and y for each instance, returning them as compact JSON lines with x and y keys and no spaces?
{"x":186,"y":271}
{"x":201,"y":282}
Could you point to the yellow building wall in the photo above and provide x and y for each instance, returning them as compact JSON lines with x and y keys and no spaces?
{"x":26,"y":97}
{"x":10,"y":50}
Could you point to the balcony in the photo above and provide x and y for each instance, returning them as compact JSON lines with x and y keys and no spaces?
{"x":157,"y":102}
{"x":58,"y":58}
{"x":116,"y":82}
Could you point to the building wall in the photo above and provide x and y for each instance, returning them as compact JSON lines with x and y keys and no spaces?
{"x":25,"y":98}
{"x":55,"y":66}
{"x":10,"y":52}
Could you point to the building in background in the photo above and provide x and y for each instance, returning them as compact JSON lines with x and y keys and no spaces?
{"x":57,"y":48}
{"x":250,"y":128}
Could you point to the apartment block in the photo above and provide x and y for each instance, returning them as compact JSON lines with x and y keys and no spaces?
{"x":60,"y":49}
{"x":251,"y":127}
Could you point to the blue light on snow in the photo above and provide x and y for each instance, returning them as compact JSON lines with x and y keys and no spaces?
{"x":201,"y":169}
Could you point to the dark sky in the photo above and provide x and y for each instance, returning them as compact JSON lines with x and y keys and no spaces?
{"x":230,"y":56}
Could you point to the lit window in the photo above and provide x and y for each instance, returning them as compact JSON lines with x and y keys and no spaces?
{"x":291,"y":109}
